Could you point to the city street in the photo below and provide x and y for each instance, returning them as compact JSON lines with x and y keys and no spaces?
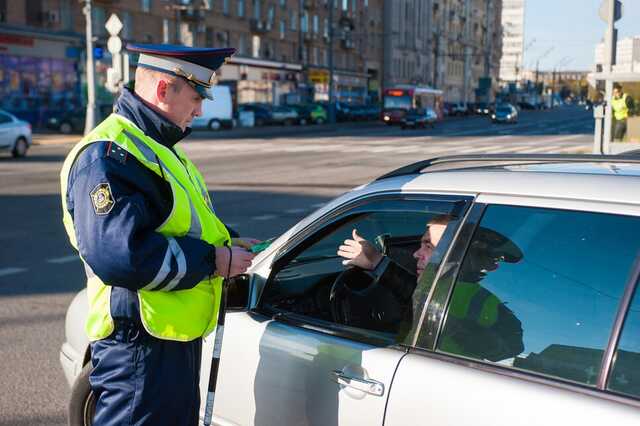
{"x":262,"y":183}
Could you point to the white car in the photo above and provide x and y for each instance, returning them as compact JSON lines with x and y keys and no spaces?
{"x":15,"y":134}
{"x":525,"y":314}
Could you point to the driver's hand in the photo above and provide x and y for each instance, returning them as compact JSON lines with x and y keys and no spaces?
{"x":359,"y":252}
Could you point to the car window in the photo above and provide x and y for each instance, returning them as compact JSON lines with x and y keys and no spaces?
{"x":625,"y":373}
{"x":538,"y":290}
{"x":308,"y":281}
{"x":4,"y":118}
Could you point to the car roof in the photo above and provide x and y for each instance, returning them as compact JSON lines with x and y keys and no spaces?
{"x":581,"y":177}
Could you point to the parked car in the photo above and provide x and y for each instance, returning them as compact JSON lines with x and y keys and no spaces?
{"x":284,"y":115}
{"x":15,"y":134}
{"x":419,"y":118}
{"x":311,"y":113}
{"x":520,"y":315}
{"x":505,"y":113}
{"x":261,"y":112}
{"x":73,"y":121}
{"x":483,"y":108}
{"x":458,"y":109}
{"x":217,"y":113}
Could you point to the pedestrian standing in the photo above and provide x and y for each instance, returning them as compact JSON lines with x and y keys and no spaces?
{"x":155,"y":252}
{"x":621,"y":105}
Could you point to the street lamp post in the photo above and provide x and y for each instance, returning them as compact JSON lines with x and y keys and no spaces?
{"x":332,"y":106}
{"x":90,"y":117}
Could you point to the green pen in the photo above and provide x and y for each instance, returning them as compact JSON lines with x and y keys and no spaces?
{"x":257,"y":248}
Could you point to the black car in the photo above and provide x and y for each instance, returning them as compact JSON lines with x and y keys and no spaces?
{"x":419,"y":118}
{"x":261,"y":113}
{"x":72,"y":121}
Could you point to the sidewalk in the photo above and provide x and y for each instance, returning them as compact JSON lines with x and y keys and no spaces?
{"x":48,"y":138}
{"x":55,"y":139}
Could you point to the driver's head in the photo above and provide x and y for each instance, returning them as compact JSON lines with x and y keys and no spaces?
{"x":429,"y":241}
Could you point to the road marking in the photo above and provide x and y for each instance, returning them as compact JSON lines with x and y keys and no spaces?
{"x":11,"y":271}
{"x":65,"y":259}
{"x":265,"y":217}
{"x":295,"y":211}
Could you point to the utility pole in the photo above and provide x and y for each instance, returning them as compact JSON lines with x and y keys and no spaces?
{"x":332,"y":106}
{"x":609,"y":61}
{"x":90,"y":120}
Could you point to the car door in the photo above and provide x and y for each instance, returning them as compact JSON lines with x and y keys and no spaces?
{"x":6,"y":131}
{"x":289,"y":360}
{"x":523,"y":321}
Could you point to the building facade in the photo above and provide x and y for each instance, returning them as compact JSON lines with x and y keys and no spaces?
{"x":452,"y":45}
{"x":627,"y":55}
{"x":513,"y":40}
{"x":284,"y":47}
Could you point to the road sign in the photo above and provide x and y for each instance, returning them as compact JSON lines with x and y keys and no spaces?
{"x":114,"y":44}
{"x":113,"y":24}
{"x":604,"y":10}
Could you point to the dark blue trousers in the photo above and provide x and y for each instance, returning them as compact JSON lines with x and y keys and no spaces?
{"x":141,"y":380}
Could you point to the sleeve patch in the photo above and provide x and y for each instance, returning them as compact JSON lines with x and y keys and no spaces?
{"x":102,"y":199}
{"x":117,"y":153}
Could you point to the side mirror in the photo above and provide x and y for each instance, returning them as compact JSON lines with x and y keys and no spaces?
{"x":238,"y":289}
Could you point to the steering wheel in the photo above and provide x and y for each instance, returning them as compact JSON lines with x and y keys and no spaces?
{"x":358,"y":300}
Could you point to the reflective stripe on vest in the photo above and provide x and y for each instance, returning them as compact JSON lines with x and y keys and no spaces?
{"x":181,"y":315}
{"x":620,"y":109}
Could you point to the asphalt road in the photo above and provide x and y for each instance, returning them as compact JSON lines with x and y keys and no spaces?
{"x":262,"y":182}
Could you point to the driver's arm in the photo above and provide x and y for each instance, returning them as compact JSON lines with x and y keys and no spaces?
{"x":397,"y":279}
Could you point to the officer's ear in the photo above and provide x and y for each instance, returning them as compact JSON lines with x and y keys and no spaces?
{"x":162,"y":90}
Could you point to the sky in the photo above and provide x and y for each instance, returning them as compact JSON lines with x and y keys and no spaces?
{"x":572,"y":28}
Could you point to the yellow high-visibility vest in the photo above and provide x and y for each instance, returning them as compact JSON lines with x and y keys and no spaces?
{"x":619,"y":106}
{"x":181,"y":315}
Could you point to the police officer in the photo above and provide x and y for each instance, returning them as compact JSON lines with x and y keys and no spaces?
{"x":155,"y":253}
{"x":621,"y":104}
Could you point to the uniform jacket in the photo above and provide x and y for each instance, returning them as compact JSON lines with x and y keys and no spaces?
{"x":122,"y":247}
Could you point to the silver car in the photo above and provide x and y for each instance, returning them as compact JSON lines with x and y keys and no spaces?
{"x":15,"y":134}
{"x":525,"y":311}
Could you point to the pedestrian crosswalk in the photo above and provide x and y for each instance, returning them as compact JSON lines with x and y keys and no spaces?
{"x":423,"y":145}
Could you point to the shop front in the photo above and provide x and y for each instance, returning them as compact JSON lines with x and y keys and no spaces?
{"x":254,"y":80}
{"x":39,"y":74}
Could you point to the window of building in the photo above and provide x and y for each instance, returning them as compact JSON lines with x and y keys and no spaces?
{"x":534,"y":294}
{"x":283,"y":28}
{"x":257,"y":13}
{"x":240,"y":10}
{"x":353,"y":5}
{"x":225,"y":7}
{"x":315,"y":24}
{"x":145,"y":5}
{"x":345,"y":5}
{"x":242,"y":44}
{"x":304,"y":22}
{"x":271,"y":16}
{"x":294,"y":20}
{"x":255,"y":46}
{"x":314,"y":58}
{"x":209,"y":36}
{"x":326,"y":27}
{"x":283,"y":3}
{"x":127,"y":25}
{"x":165,"y":30}
{"x":98,"y":21}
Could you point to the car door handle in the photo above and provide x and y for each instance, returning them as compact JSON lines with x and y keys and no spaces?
{"x":369,"y":386}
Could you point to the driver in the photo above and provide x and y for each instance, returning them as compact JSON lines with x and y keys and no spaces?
{"x":478,"y":324}
{"x":401,"y":282}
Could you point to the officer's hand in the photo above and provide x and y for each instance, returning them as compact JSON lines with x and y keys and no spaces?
{"x":240,"y":261}
{"x":244,"y":242}
{"x":359,"y":252}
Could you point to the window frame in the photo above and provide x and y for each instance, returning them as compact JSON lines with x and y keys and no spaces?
{"x":460,"y":204}
{"x":437,"y":305}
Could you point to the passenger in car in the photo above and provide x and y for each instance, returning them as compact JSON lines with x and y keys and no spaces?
{"x":471,"y":325}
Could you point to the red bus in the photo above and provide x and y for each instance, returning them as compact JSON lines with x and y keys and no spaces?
{"x":397,"y":100}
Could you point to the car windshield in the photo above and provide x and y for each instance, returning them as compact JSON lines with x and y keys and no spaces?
{"x":503,"y":110}
{"x":403,"y":102}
